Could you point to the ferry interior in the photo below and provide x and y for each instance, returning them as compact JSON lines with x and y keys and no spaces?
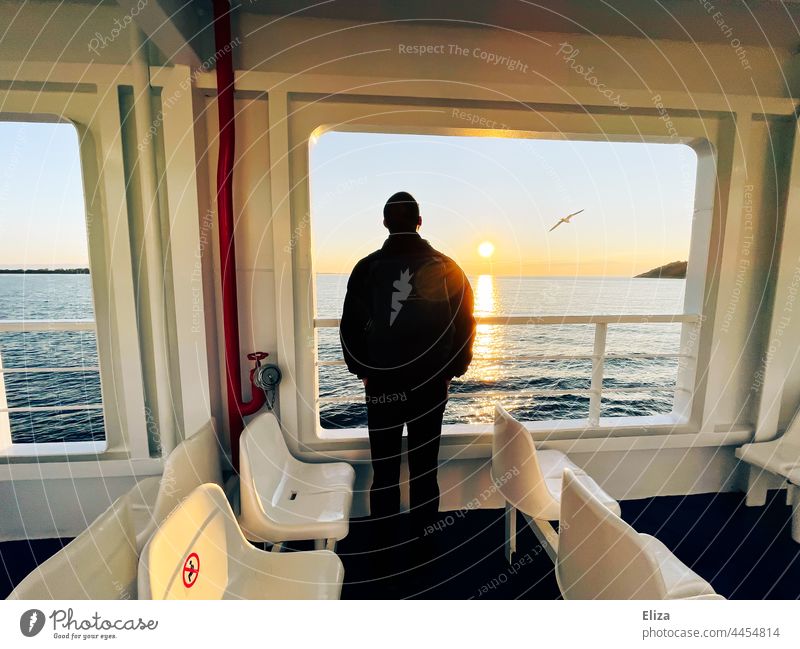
{"x":211,"y":451}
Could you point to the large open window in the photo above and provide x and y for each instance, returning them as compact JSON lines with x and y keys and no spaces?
{"x":567,"y":330}
{"x":49,"y":370}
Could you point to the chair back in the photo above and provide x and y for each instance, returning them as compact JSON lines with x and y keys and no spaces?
{"x":100,"y":563}
{"x":600,"y":556}
{"x":792,"y":433}
{"x":195,"y":461}
{"x":515,"y":467}
{"x":264,"y":461}
{"x":189,"y":556}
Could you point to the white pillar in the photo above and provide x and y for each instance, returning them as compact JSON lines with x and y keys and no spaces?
{"x":149,"y":261}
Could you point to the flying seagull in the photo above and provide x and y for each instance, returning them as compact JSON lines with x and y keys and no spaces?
{"x":564,"y":220}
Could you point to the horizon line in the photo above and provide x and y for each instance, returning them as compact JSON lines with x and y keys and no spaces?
{"x":535,"y":275}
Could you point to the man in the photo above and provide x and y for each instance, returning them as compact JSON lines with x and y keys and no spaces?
{"x":407,"y":329}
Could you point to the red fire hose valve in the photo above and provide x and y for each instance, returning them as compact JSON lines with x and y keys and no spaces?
{"x":257,"y":357}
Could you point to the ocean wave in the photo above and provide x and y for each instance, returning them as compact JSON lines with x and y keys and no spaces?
{"x":55,"y":296}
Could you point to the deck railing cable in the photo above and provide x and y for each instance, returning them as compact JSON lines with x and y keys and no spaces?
{"x":28,"y":326}
{"x":598,"y":355}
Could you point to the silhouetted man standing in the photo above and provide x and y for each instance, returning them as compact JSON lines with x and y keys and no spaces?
{"x":407,"y":329}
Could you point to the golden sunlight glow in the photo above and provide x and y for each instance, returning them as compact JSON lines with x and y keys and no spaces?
{"x":486,"y":249}
{"x":485,"y":346}
{"x":484,"y":296}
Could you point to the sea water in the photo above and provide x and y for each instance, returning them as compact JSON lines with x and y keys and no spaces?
{"x":498,"y":366}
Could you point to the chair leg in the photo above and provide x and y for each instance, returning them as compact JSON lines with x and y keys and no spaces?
{"x":758,"y":482}
{"x":795,"y":512}
{"x":277,"y":547}
{"x":330,"y":544}
{"x":511,"y":531}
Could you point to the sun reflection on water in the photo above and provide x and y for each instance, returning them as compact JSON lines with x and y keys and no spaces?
{"x":486,"y":336}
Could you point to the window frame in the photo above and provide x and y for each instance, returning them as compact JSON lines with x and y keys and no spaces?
{"x":93,"y":110}
{"x":683,"y":419}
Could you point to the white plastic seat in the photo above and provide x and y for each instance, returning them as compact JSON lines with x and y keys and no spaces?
{"x":284,"y":499}
{"x":142,"y":500}
{"x":530,"y":481}
{"x":199,"y":552}
{"x":100,"y":563}
{"x":600,"y":556}
{"x":195,"y":461}
{"x":778,"y":457}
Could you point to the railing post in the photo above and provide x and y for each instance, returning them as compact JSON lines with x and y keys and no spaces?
{"x":687,"y":368}
{"x":598,"y":361}
{"x":5,"y":420}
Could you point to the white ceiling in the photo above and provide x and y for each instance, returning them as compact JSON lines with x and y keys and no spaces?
{"x":755,"y":22}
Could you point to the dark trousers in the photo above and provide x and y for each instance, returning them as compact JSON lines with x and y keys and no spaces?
{"x":390,"y":405}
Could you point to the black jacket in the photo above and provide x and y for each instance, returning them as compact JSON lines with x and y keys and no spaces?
{"x":357,"y":317}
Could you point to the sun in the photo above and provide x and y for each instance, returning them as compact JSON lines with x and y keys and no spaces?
{"x":486,"y":249}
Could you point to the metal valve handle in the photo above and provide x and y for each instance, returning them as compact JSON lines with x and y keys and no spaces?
{"x":257,"y":357}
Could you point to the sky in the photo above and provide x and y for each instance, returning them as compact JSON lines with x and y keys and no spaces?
{"x":637,"y":200}
{"x":42,"y":209}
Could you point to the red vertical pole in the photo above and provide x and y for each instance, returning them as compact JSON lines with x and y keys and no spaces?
{"x":237,"y":408}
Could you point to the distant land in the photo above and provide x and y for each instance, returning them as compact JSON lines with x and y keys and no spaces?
{"x":44,"y":271}
{"x":672,"y":270}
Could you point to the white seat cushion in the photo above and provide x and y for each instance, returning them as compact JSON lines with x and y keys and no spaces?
{"x":310,"y":514}
{"x":777,"y":456}
{"x":295,"y":502}
{"x":284,"y":499}
{"x":308,"y":506}
{"x":296,"y":575}
{"x":681,"y":581}
{"x":325,"y":476}
{"x":552,"y":464}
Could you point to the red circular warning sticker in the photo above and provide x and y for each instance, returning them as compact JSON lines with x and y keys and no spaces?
{"x":191,"y":569}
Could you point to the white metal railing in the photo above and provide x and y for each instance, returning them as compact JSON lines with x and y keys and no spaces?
{"x":47,"y":325}
{"x":598,"y":355}
{"x":25,"y":326}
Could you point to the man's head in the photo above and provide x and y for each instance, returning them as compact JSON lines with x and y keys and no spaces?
{"x":401,"y":213}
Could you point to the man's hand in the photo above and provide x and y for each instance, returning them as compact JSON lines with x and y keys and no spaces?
{"x":364,"y":381}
